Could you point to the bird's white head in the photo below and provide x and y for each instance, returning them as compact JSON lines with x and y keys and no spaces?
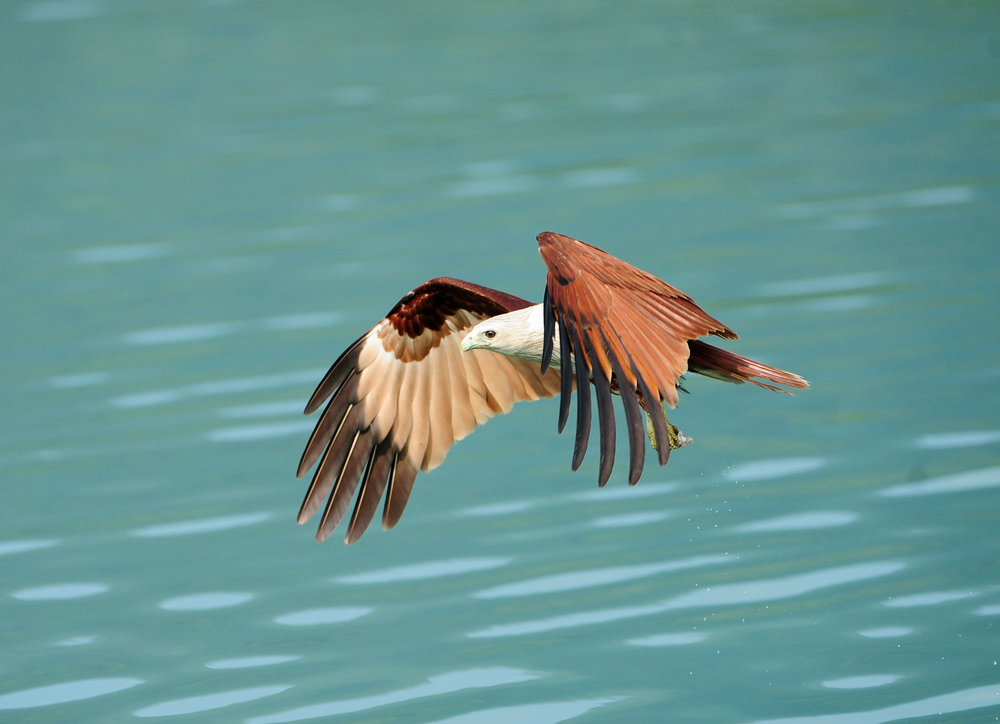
{"x":515,"y":334}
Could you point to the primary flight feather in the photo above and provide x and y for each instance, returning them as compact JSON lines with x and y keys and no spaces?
{"x":451,"y":354}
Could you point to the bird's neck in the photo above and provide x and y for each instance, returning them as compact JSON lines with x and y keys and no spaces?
{"x":529,"y":338}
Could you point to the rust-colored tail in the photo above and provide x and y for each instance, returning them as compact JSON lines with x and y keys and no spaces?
{"x":728,"y":367}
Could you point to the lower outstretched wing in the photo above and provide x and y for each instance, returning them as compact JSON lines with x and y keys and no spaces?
{"x":401,"y":396}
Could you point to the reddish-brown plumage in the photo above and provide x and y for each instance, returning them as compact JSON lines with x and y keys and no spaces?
{"x":403,"y":393}
{"x":622,"y":322}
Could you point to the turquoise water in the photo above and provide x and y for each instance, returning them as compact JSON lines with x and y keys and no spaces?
{"x":203,"y":203}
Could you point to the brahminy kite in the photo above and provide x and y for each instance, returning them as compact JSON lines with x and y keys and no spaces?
{"x":452,"y":354}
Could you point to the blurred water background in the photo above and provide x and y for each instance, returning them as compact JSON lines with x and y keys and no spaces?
{"x":202,"y":203}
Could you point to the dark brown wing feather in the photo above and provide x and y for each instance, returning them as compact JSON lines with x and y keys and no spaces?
{"x":625,"y":324}
{"x":400,"y":397}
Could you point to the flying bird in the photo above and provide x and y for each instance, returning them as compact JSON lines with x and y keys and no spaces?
{"x":451,"y":354}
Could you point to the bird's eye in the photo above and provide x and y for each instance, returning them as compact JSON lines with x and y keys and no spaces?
{"x":489,"y":334}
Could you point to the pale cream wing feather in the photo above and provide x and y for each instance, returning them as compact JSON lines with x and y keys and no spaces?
{"x":402,"y":395}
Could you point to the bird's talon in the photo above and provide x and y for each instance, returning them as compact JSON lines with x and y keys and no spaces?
{"x":676,"y":437}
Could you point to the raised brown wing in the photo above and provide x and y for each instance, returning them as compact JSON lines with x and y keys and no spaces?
{"x":402,"y":395}
{"x":623,"y":324}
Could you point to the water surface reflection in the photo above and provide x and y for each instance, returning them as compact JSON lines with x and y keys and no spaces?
{"x":248,"y":662}
{"x":448,"y":683}
{"x":595,"y":577}
{"x":205,"y":601}
{"x":421,"y":571}
{"x":720,"y":595}
{"x":209,"y":702}
{"x":320,"y":616}
{"x":936,"y":706}
{"x":956,"y":483}
{"x":21,"y":546}
{"x":60,"y":591}
{"x":65,"y":692}
{"x":548,"y":713}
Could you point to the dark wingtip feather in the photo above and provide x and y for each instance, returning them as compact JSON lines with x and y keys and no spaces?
{"x":633,"y":417}
{"x":331,"y":465}
{"x":605,"y":416}
{"x":350,"y":475}
{"x":400,"y":486}
{"x":583,"y":407}
{"x":329,"y":422}
{"x":336,"y":376}
{"x":565,"y":377}
{"x":372,"y":485}
{"x":654,"y":407}
{"x":549,"y":330}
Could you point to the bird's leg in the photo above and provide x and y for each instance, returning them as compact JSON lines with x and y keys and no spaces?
{"x":677,"y":439}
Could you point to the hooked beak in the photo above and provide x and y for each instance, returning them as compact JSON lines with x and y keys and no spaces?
{"x":467,"y":343}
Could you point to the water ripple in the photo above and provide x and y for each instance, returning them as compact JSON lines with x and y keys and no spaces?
{"x":514,"y":506}
{"x":146,"y":399}
{"x":252,"y":384}
{"x":189,"y":333}
{"x":723,"y":595}
{"x":218,"y":387}
{"x":920,"y":198}
{"x":319,"y":616}
{"x":60,"y":591}
{"x":956,"y":483}
{"x":265,"y":409}
{"x":840,"y":303}
{"x":946,"y":440}
{"x":928,"y":599}
{"x":674,"y":639}
{"x":312,"y":320}
{"x":886,"y":632}
{"x":843,"y":303}
{"x":491,"y":186}
{"x":247,"y":433}
{"x":825,"y":285}
{"x":209,"y":702}
{"x":203,"y":525}
{"x":593,"y":577}
{"x":448,"y":683}
{"x":420,"y":571}
{"x":862,"y":682}
{"x":57,"y":10}
{"x":627,"y":520}
{"x":205,"y":601}
{"x":248,"y":662}
{"x":780,"y":467}
{"x":62,"y":693}
{"x":799,"y":521}
{"x":935,"y":706}
{"x":20,"y":546}
{"x":199,"y":332}
{"x":644,"y":490}
{"x":116,"y":254}
{"x":549,"y":713}
{"x":76,"y":641}
{"x":340,"y":202}
{"x":84,"y":379}
{"x":600,"y":178}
